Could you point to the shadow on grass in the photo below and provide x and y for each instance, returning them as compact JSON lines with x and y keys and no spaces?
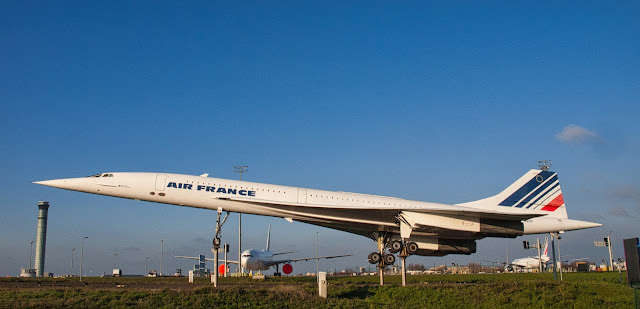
{"x":356,"y":292}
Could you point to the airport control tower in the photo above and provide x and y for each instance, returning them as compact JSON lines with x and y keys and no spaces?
{"x":41,"y":237}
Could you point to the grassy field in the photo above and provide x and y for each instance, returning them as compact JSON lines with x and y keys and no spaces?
{"x":578,"y":290}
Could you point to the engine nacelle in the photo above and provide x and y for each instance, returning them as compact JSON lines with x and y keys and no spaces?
{"x":462,"y":226}
{"x":501,"y":228}
{"x":430,"y":246}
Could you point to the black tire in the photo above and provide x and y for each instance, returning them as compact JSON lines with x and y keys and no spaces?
{"x":412,"y":248}
{"x":389,"y":259}
{"x":374,"y":258}
{"x":395,"y":246}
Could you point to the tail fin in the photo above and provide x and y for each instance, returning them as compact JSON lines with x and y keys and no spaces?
{"x":546,"y":247}
{"x":268,"y":237}
{"x":536,"y":190}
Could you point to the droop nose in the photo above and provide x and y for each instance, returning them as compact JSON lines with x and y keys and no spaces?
{"x":75,"y":184}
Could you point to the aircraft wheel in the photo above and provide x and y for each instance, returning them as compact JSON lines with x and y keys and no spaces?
{"x":395,"y":246}
{"x":374,"y":257}
{"x":412,"y":248}
{"x":389,"y":259}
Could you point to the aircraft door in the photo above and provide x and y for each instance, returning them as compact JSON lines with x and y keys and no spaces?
{"x":161,"y":180}
{"x":302,"y":196}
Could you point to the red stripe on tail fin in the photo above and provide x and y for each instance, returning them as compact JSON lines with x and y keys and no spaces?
{"x":557,"y":202}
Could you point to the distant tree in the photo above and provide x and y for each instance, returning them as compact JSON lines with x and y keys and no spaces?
{"x":474,"y":268}
{"x":416,"y":267}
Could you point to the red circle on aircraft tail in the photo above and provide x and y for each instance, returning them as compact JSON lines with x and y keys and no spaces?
{"x":287,"y":268}
{"x":221,"y":268}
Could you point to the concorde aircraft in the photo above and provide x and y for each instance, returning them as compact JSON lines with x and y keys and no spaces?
{"x":254,"y":259}
{"x":533,"y":204}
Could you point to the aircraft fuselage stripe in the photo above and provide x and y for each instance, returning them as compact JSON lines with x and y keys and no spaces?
{"x":546,"y":195}
{"x":540,"y":189}
{"x":531,"y":185}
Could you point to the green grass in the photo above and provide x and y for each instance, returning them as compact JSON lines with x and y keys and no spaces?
{"x":578,"y":290}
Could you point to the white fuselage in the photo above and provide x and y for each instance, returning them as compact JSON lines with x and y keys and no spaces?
{"x":256,"y":259}
{"x":530,"y":262}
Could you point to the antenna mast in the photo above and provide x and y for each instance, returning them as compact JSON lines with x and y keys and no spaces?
{"x":240,"y":169}
{"x":544,"y":165}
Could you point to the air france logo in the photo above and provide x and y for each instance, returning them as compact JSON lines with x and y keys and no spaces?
{"x":188,"y":186}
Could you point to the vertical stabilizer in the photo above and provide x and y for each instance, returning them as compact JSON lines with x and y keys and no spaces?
{"x":535,"y":191}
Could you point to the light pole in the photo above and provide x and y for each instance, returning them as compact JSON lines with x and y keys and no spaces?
{"x":226,"y":250}
{"x":317,"y":269}
{"x":115,"y":254}
{"x":71,"y":272}
{"x":82,"y":256}
{"x":610,"y":253}
{"x":539,"y":256}
{"x":161,"y":255}
{"x":558,"y":237}
{"x":31,"y":253}
{"x":240,"y":169}
{"x":240,"y":270}
{"x":559,"y":257}
{"x":146,"y":259}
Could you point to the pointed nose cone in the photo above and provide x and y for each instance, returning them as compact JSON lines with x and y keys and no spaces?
{"x":50,"y":183}
{"x":75,"y":184}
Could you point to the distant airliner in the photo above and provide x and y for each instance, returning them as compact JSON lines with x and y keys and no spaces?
{"x":253,"y":259}
{"x":531,"y":262}
{"x":533,"y":204}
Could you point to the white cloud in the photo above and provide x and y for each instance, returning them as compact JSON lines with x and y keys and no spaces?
{"x":577,"y":135}
{"x":628,"y":196}
{"x":627,"y":192}
{"x":131,"y":249}
{"x":618,"y":211}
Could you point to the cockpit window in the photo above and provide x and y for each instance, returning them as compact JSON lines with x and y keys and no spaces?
{"x":101,"y":175}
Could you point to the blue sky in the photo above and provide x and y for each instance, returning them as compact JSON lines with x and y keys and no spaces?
{"x":442,"y":102}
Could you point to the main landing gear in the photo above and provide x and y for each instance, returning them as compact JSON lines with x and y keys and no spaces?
{"x":393,"y":246}
{"x":404,"y":248}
